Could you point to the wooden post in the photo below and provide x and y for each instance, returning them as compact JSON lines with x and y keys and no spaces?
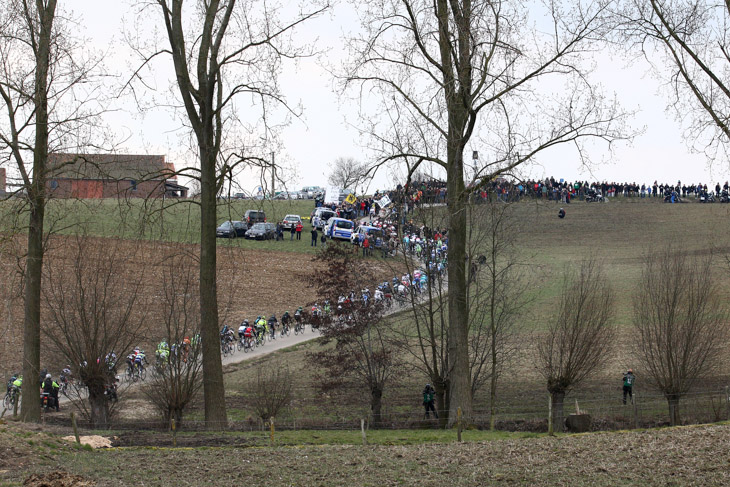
{"x":636,"y":415}
{"x":271,"y":424}
{"x":76,"y":428}
{"x":364,"y":435}
{"x":727,"y":401}
{"x":458,"y":423}
{"x":550,"y":415}
{"x":15,"y":405}
{"x":174,"y":433}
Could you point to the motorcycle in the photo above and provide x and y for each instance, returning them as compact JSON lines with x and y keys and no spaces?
{"x":594,"y":196}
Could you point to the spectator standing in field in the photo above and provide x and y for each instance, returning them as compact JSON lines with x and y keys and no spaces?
{"x":428,"y":395}
{"x":299,"y":229}
{"x":323,"y":239}
{"x":314,"y":236}
{"x":365,"y":247}
{"x":629,"y":379}
{"x":292,"y":230}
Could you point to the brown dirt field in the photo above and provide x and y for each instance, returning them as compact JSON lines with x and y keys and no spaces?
{"x":250,"y":282}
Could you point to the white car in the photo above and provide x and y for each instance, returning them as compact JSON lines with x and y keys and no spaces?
{"x":290,"y":221}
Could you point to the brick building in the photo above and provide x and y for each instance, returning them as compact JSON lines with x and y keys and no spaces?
{"x":112,"y":176}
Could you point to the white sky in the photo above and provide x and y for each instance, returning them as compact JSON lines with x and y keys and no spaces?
{"x":323,"y":135}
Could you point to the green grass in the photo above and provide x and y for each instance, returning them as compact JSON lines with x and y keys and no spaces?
{"x":176,"y":221}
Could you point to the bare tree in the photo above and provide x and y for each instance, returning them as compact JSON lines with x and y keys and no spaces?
{"x":95,"y":308}
{"x":681,"y":323}
{"x":41,"y":76}
{"x":454,"y":73}
{"x":178,"y":377}
{"x":495,"y":300}
{"x":580,"y":337}
{"x":348,"y":173}
{"x":272,"y":391}
{"x":497,"y":295}
{"x":221,"y":49}
{"x":693,"y":40}
{"x":362,"y":340}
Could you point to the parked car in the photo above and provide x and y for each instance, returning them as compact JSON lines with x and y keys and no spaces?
{"x":254,"y":216}
{"x":372,"y":232}
{"x":261,"y":231}
{"x":320,"y":217}
{"x":290,"y":220}
{"x":231,"y":229}
{"x":339,"y":228}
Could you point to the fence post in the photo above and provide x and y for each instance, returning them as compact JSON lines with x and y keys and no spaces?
{"x":636,"y":412}
{"x":271,"y":424}
{"x":15,"y":405}
{"x":727,"y":401}
{"x":364,"y":435}
{"x":550,"y":415}
{"x":458,"y":424}
{"x":174,"y":433}
{"x":76,"y":428}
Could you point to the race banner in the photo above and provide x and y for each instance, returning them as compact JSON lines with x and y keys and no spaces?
{"x":384,"y":201}
{"x":350,"y":198}
{"x":331,"y":195}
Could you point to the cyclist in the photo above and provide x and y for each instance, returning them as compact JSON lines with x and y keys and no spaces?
{"x":272,"y":325}
{"x":139,"y":358}
{"x":260,"y":328}
{"x":327,"y":308}
{"x":186,"y":345}
{"x":248,"y":334}
{"x":285,"y":321}
{"x":163,"y":352}
{"x":242,"y":330}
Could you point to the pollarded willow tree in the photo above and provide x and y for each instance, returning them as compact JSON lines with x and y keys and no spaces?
{"x":505,"y":78}
{"x":692,"y":40}
{"x":222,"y":50}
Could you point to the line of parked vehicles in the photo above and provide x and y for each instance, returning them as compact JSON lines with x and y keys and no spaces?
{"x":254,"y":226}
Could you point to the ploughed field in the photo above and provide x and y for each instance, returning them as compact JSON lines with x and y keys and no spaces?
{"x":671,"y":456}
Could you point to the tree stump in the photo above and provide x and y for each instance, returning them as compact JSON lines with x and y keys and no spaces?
{"x":578,"y":423}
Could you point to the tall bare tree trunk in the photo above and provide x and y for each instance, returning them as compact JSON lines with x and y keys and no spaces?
{"x":459,"y":373}
{"x":213,"y":387}
{"x":31,"y":410}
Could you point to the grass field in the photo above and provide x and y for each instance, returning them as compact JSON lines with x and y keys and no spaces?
{"x":176,"y":221}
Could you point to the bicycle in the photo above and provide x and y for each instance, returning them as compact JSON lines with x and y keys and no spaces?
{"x":11,"y":397}
{"x":226,"y":347}
{"x":249,"y":344}
{"x":272,"y":335}
{"x":285,"y":330}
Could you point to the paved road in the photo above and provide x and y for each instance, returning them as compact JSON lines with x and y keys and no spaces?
{"x":271,"y":346}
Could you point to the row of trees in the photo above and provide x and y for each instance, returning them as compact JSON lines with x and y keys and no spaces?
{"x":680,"y":322}
{"x":448,"y":74}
